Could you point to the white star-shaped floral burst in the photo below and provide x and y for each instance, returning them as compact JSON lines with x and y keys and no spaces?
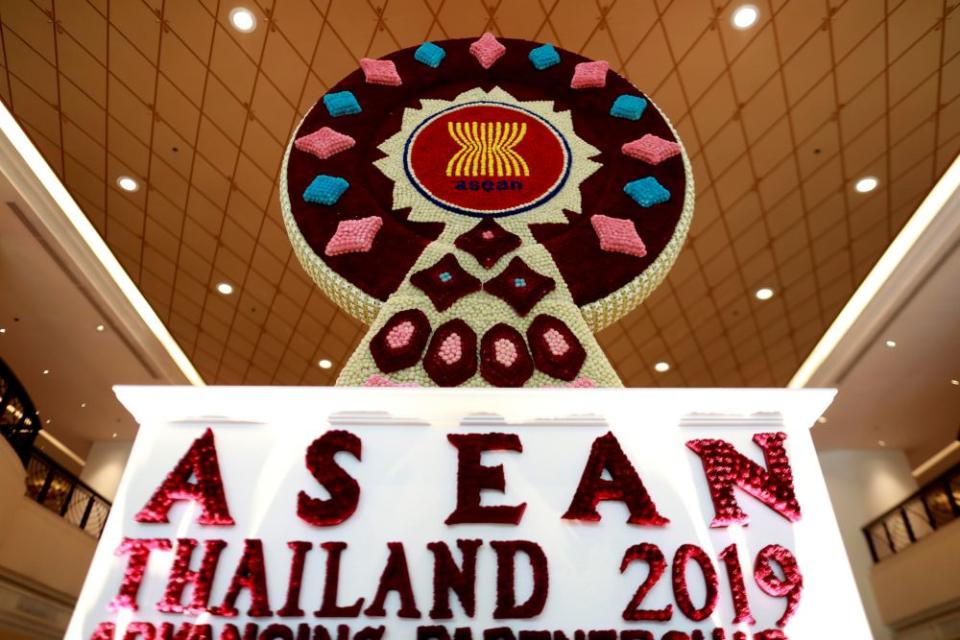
{"x":551,"y":210}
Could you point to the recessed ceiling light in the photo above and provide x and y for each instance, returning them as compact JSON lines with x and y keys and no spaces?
{"x":325,"y":364}
{"x":955,"y":382}
{"x":114,"y":435}
{"x":83,"y":405}
{"x":225,"y":288}
{"x":882,"y":443}
{"x":46,"y":371}
{"x":764,"y":293}
{"x":100,"y":327}
{"x":866,"y":184}
{"x":662,"y":367}
{"x":3,"y":330}
{"x":745,"y":16}
{"x":128,"y":184}
{"x":891,"y":343}
{"x":822,"y":419}
{"x":47,"y":421}
{"x":243,"y":19}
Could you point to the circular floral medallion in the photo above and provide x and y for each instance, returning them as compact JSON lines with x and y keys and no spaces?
{"x":491,"y":182}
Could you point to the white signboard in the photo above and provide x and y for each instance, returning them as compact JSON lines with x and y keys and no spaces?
{"x":471,"y":514}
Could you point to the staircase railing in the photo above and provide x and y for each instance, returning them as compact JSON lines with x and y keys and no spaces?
{"x":935,"y":505}
{"x":19,"y":421}
{"x":51,"y":485}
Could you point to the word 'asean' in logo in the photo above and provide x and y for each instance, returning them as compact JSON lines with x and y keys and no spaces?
{"x":487,"y":149}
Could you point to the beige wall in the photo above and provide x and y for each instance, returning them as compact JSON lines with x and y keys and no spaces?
{"x":35,"y":542}
{"x":863,"y":484}
{"x":104,"y":466}
{"x":922,"y":577}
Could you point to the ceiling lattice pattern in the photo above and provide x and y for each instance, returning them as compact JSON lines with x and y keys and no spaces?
{"x":779,"y":120}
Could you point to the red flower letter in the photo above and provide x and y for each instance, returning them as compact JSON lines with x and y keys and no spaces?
{"x":291,"y":609}
{"x":724,"y":467}
{"x":626,"y":486}
{"x":180,"y":575}
{"x":395,"y":577}
{"x":139,"y":550}
{"x":201,"y":462}
{"x":507,"y":606}
{"x":252,"y":575}
{"x":331,"y":586}
{"x":448,"y":577}
{"x":473,"y":477}
{"x":344,"y":490}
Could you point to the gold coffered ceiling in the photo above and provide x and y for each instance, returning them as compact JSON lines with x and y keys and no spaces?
{"x":779,"y":119}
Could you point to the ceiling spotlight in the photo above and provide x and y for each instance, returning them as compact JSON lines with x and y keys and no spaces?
{"x":114,"y":435}
{"x":83,"y":405}
{"x":100,"y":327}
{"x":662,"y":367}
{"x":3,"y":330}
{"x":745,"y":16}
{"x":822,"y":419}
{"x":325,"y":364}
{"x":225,"y":288}
{"x":128,"y":184}
{"x":47,"y":421}
{"x":891,"y":343}
{"x":764,"y":293}
{"x":955,"y":382}
{"x":243,"y":19}
{"x":46,"y":371}
{"x":882,"y":443}
{"x":866,"y":185}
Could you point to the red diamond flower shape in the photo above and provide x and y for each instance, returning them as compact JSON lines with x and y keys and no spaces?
{"x":445,"y":282}
{"x":324,"y":143}
{"x":487,"y":242}
{"x":651,"y":149}
{"x":520,"y":286}
{"x":618,"y":235}
{"x":380,"y":72}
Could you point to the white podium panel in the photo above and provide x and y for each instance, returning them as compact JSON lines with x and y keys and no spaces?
{"x":358,"y":514}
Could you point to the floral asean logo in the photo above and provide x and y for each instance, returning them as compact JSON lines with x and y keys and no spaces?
{"x":487,"y":158}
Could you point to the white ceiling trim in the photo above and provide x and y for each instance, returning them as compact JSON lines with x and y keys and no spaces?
{"x":61,"y":218}
{"x":930,"y":234}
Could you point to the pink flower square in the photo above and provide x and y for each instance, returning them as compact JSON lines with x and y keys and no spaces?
{"x":376,"y":380}
{"x":651,"y":149}
{"x":581,"y":383}
{"x":487,"y":50}
{"x":324,"y":143}
{"x":354,"y":236}
{"x":590,"y":74}
{"x":618,"y":235}
{"x":380,"y":72}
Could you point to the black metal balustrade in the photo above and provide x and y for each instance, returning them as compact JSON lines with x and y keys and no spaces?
{"x":19,"y":422}
{"x":48,"y":482}
{"x":936,"y":504}
{"x":63,"y":493}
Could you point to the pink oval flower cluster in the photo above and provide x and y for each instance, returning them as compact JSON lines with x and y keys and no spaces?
{"x":400,"y":335}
